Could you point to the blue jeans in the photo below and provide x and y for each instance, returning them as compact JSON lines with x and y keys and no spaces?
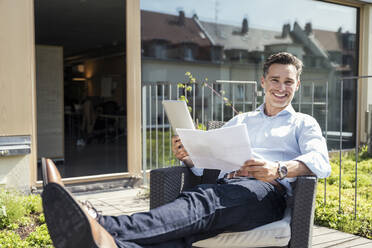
{"x":203,"y":212}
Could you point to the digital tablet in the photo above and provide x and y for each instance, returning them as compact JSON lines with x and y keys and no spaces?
{"x":178,"y":115}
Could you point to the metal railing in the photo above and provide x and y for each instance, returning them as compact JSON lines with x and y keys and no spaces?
{"x":315,"y":97}
{"x":342,"y":80}
{"x":206,"y":106}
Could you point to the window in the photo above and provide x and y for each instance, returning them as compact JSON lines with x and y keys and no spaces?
{"x":306,"y":91}
{"x":229,"y":40}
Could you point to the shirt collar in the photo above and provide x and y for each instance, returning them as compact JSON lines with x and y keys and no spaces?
{"x":288,"y":110}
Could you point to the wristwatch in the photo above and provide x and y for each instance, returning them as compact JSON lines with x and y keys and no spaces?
{"x":282,"y":170}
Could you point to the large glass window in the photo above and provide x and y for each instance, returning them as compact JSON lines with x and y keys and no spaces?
{"x":81,"y":85}
{"x":227,"y":42}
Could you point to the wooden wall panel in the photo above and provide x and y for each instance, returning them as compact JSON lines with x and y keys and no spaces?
{"x":17,"y":75}
{"x":133,"y":26}
{"x":365,"y":68}
{"x":16,"y":68}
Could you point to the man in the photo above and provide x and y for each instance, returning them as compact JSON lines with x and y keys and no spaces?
{"x":285,"y":144}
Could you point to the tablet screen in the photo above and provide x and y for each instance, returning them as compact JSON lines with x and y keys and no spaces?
{"x":178,"y":115}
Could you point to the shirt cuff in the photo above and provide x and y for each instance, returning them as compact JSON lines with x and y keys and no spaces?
{"x":197,"y":171}
{"x":316,"y":163}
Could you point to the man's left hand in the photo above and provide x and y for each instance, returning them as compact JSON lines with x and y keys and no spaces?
{"x":263,"y":170}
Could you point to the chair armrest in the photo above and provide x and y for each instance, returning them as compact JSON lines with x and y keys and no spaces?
{"x":303,"y":211}
{"x":210,"y":176}
{"x":167,"y":183}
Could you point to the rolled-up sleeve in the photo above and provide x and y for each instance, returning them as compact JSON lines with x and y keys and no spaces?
{"x":313,"y":148}
{"x":197,"y":171}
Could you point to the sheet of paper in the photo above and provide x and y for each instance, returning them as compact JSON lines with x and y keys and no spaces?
{"x":223,"y":148}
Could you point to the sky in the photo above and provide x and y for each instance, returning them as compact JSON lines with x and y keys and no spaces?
{"x":263,"y":14}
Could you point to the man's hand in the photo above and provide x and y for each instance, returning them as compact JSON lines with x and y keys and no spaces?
{"x":180,"y":152}
{"x":263,"y":170}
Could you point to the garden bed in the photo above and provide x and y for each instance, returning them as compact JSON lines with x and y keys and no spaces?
{"x":330,"y":213}
{"x":22,"y":223}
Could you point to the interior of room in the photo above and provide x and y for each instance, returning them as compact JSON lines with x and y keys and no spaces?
{"x":81,"y":85}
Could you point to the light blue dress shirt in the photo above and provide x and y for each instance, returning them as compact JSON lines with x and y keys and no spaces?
{"x":289,"y":135}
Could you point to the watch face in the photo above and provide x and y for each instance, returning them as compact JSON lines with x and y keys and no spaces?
{"x":283,"y":171}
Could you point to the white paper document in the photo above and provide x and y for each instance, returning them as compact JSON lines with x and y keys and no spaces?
{"x":223,"y":148}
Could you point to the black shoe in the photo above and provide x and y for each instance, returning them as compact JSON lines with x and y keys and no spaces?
{"x":68,"y":224}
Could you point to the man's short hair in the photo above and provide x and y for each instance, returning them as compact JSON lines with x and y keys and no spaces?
{"x":283,"y":58}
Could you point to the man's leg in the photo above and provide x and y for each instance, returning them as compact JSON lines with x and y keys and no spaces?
{"x":69,"y":225}
{"x":202,"y":212}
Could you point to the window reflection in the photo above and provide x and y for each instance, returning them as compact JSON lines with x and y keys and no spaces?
{"x":229,"y":40}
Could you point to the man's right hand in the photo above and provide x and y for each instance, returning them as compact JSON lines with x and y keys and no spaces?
{"x":180,"y":152}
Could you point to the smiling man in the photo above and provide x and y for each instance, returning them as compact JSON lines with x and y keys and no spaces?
{"x":285,"y":144}
{"x":280,"y":83}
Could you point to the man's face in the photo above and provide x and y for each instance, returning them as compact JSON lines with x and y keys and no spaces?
{"x":280,"y":85}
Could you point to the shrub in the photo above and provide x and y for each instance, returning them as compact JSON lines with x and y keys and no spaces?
{"x":33,"y":203}
{"x":40,"y":237}
{"x":10,"y":239}
{"x":22,"y":223}
{"x":12,"y":208}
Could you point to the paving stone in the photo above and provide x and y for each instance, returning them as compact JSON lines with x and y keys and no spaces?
{"x":357,"y":242}
{"x":331,"y":238}
{"x":320,"y":231}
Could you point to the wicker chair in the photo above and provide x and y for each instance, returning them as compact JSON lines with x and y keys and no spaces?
{"x":167,"y":183}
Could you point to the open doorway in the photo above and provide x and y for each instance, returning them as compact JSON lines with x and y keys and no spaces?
{"x":81,"y":85}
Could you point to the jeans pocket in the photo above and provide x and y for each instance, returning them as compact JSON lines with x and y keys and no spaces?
{"x":233,"y":195}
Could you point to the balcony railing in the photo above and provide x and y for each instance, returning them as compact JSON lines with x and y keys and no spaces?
{"x":205,"y":106}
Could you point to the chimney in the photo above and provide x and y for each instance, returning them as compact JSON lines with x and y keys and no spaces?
{"x":245,"y":26}
{"x":308,"y":28}
{"x":181,"y":18}
{"x":286,"y":30}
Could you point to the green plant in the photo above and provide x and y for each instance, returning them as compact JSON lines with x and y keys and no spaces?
{"x":40,"y":237}
{"x":342,"y":217}
{"x":22,"y":221}
{"x":10,"y":239}
{"x":162,"y":147}
{"x":187,"y":86}
{"x":41,"y":218}
{"x":12,"y":207}
{"x":33,"y":203}
{"x":144,"y":193}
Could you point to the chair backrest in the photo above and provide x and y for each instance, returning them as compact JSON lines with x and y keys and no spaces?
{"x":214,"y":124}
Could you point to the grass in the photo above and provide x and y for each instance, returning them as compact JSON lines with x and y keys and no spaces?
{"x":331,"y":213}
{"x":163,"y":148}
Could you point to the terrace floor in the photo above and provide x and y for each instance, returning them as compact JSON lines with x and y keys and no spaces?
{"x":128,"y":201}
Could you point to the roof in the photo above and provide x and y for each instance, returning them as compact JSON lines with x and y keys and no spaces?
{"x":230,"y":37}
{"x":328,"y":39}
{"x":158,"y":26}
